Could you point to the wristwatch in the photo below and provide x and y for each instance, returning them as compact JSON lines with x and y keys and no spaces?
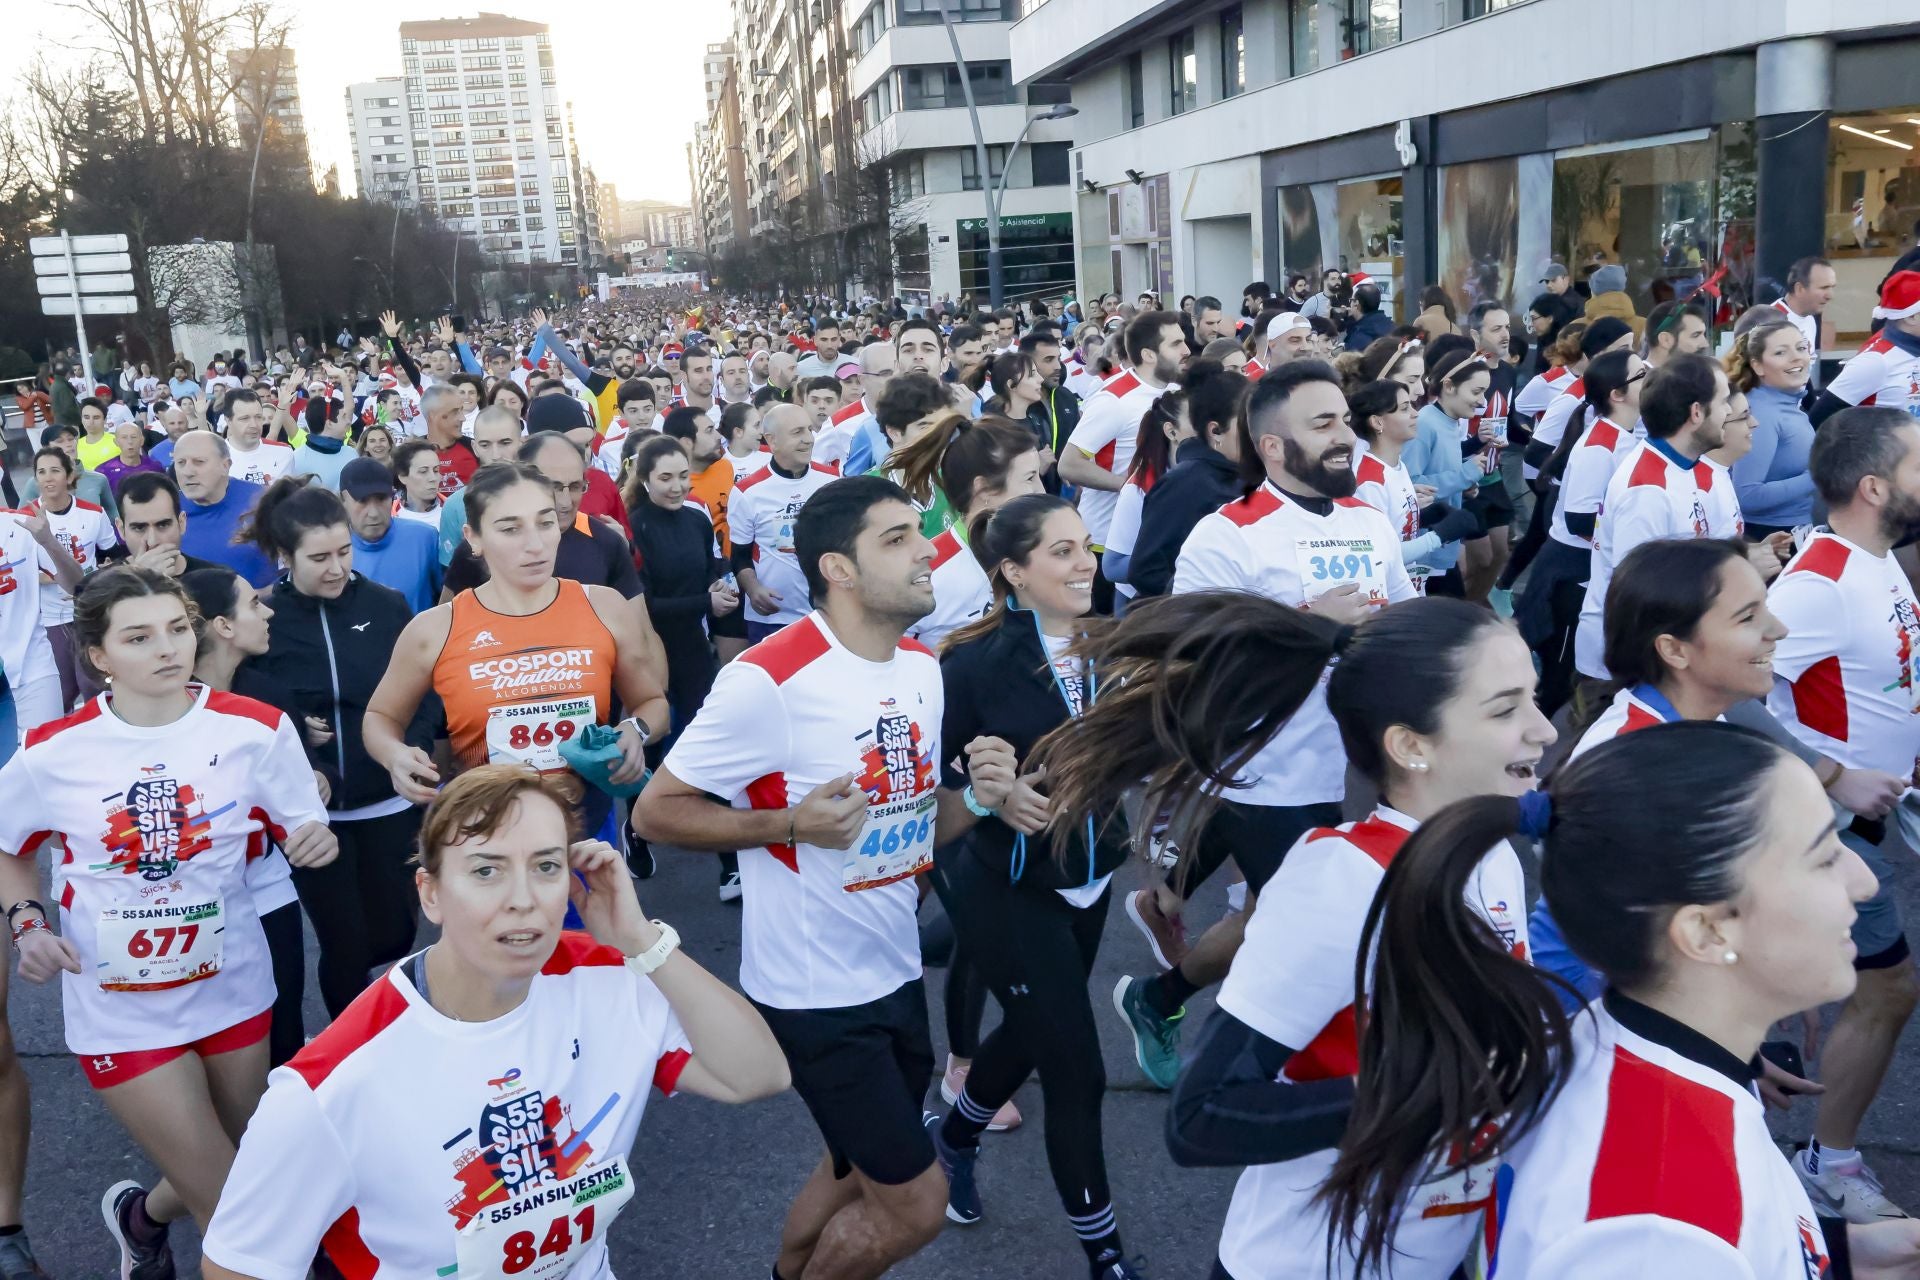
{"x":656,"y":955}
{"x":640,"y":727}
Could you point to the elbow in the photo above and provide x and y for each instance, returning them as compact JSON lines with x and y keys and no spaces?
{"x":772,"y":1076}
{"x":1184,"y":1125}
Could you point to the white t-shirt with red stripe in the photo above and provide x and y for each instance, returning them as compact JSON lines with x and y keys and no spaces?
{"x":793,"y":712}
{"x":1650,"y":496}
{"x":397,"y":1126}
{"x":85,"y":530}
{"x":159,"y":820}
{"x":831,"y":443}
{"x":1724,"y":518}
{"x":262,"y":464}
{"x":1388,"y":489}
{"x":1292,"y":981}
{"x":1626,"y":713}
{"x":26,"y":573}
{"x":1553,"y":424}
{"x":1270,"y":545}
{"x":1108,"y":429}
{"x":961,"y":592}
{"x":1534,"y":399}
{"x":1653,"y":1162}
{"x":1844,"y":674}
{"x":761,"y":514}
{"x":1590,"y":467}
{"x":1880,"y":374}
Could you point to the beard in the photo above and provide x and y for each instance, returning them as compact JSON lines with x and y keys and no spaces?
{"x":1900,"y":521}
{"x":1328,"y":482}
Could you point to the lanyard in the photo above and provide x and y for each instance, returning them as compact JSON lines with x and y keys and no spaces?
{"x":1019,"y":866}
{"x":1667,"y":712}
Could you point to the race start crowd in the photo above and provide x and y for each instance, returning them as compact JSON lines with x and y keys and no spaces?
{"x":874,"y":604}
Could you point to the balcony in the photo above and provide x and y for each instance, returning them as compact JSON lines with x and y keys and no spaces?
{"x":944,"y":127}
{"x":927,"y":46}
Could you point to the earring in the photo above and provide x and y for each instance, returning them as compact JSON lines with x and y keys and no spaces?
{"x":1418,"y":766}
{"x":1730,"y":958}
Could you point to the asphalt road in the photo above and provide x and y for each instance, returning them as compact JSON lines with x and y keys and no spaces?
{"x":715,"y":1180}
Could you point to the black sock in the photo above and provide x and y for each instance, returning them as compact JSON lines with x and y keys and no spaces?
{"x":13,"y":1230}
{"x":965,"y":1123}
{"x":1167,"y":994}
{"x":776,"y":1273}
{"x":140,"y":1223}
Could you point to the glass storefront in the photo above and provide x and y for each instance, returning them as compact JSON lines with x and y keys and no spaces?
{"x":1872,"y":201}
{"x":1036,"y":253}
{"x":1370,"y":235}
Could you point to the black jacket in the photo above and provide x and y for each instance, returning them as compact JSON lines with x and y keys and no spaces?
{"x":1201,"y":481}
{"x":1001,"y":684}
{"x":325,"y":658}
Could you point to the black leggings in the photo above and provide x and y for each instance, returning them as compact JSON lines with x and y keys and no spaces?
{"x":361,"y":903}
{"x":286,"y":944}
{"x":1256,"y":836}
{"x":1036,"y":951}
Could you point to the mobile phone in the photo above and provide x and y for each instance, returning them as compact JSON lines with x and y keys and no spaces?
{"x":459,"y":324}
{"x":1785,"y":1054}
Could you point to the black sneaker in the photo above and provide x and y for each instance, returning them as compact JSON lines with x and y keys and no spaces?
{"x":963,"y":1197}
{"x":639,"y":858}
{"x":16,"y":1259}
{"x":137,"y":1261}
{"x":1118,"y":1268}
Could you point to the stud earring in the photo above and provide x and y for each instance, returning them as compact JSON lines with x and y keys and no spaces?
{"x":1418,"y":766}
{"x":1731,"y":958}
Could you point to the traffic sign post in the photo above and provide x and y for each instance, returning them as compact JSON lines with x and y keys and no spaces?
{"x":83,"y":276}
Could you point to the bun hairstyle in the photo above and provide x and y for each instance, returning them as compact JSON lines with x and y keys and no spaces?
{"x":1748,"y":346}
{"x":1465,"y":1045}
{"x":1011,"y":532}
{"x":289,"y":509}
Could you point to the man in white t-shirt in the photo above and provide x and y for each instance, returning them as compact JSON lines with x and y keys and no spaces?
{"x":1886,"y":371}
{"x":825,"y":742}
{"x":1101,"y":447}
{"x":1845,"y":686}
{"x":1810,"y":285}
{"x":826,"y":351}
{"x":254,"y":459}
{"x":1303,"y":539}
{"x":761,"y":517}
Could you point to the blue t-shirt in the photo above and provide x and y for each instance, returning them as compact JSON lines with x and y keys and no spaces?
{"x":453,"y":518}
{"x":211,"y":527}
{"x":406,"y":559}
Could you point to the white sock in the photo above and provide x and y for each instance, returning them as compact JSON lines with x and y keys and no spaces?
{"x":1237,"y":896}
{"x":1839,"y":1157}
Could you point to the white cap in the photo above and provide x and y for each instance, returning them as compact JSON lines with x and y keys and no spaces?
{"x":1285,"y":322}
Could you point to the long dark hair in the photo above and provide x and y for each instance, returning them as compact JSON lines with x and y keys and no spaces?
{"x":287,"y":511}
{"x":1152,"y":450}
{"x":1369,"y":402}
{"x":1200,"y":683}
{"x":1466,"y":1045}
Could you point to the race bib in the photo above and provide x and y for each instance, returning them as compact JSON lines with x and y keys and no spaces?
{"x":530,"y":733}
{"x":896,"y":843}
{"x":545,"y":1233}
{"x":1326,"y":563}
{"x":160,"y":945}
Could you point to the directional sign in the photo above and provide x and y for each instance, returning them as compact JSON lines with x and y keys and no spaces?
{"x":54,"y":286}
{"x":84,"y":263}
{"x":45,"y":245}
{"x":119,"y":305}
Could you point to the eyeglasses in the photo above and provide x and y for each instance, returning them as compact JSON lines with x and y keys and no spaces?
{"x":562,"y":490}
{"x":1636,"y":377}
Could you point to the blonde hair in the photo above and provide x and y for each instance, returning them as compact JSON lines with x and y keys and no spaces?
{"x":1747,"y":350}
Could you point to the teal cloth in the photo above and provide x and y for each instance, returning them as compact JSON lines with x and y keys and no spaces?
{"x":594,"y":754}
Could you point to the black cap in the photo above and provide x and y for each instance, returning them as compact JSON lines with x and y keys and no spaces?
{"x":365,"y":478}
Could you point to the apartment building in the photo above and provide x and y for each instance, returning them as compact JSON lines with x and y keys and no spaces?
{"x":488,"y":125}
{"x":1470,"y":142}
{"x":383,"y":163}
{"x":266,"y":85}
{"x":719,"y":158}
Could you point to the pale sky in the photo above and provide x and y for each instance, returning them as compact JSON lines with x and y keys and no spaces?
{"x":632,"y":71}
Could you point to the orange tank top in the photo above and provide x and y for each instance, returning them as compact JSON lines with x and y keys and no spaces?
{"x":515,"y":688}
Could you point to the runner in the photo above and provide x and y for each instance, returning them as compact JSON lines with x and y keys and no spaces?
{"x":1163,"y":428}
{"x":979,"y":467}
{"x":396,"y":1144}
{"x":1205,"y":475}
{"x":1697,"y":866}
{"x":158,"y":782}
{"x":1885,"y":372}
{"x":86,"y":531}
{"x":255,"y":460}
{"x":826,"y":740}
{"x":1299,"y":537}
{"x":416,"y":474}
{"x":336,"y":635}
{"x":1457,"y":388}
{"x":1382,"y":414}
{"x":232,"y":625}
{"x":1433,"y":703}
{"x":1028,"y":914}
{"x":522,"y":662}
{"x":29,"y":549}
{"x":761,"y":518}
{"x":1844,"y":686}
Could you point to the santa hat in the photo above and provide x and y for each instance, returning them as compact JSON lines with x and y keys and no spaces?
{"x":1899,"y":296}
{"x":1359,"y":278}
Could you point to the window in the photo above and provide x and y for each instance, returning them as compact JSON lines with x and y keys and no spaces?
{"x":872,"y":25}
{"x":1050,"y":93}
{"x":910,"y":178}
{"x":914,"y":12}
{"x":1302,"y":35}
{"x":970,"y":167}
{"x":1136,"y":90}
{"x":1049,"y":161}
{"x":922,"y":88}
{"x":1369,"y":25}
{"x":1233,"y":52}
{"x":1481,"y":8}
{"x":1183,"y":73}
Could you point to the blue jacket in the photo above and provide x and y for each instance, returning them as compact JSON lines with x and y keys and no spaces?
{"x":1368,"y":328}
{"x":210,"y":530}
{"x":1772,"y":481}
{"x":407,"y":559}
{"x":1434,"y":457}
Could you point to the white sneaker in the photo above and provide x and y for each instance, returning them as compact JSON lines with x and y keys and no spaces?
{"x":1854,"y":1194}
{"x":730,"y":887}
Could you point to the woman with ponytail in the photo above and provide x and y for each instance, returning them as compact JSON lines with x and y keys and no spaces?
{"x":1697,"y":868}
{"x":979,"y":467}
{"x":1028,"y":911}
{"x":1433,"y":700}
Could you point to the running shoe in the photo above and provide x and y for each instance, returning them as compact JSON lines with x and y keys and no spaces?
{"x":963,"y":1197}
{"x":640,"y":858}
{"x":1156,"y":1040}
{"x":1133,"y":1268}
{"x":730,"y":886}
{"x":955,"y":1079}
{"x":1501,"y":601}
{"x":1162,"y":852}
{"x":1166,"y":936}
{"x":16,"y":1259}
{"x":1851,"y":1193}
{"x":138,"y":1261}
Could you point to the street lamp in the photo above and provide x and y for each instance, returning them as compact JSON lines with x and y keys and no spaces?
{"x":996,"y":281}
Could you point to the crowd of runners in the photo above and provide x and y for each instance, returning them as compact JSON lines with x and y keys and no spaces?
{"x":427,"y":644}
